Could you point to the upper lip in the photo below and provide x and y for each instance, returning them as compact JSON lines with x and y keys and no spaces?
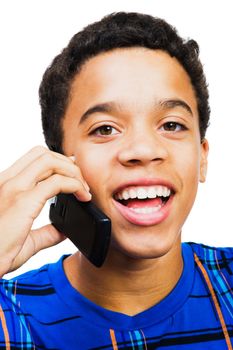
{"x":145,"y":182}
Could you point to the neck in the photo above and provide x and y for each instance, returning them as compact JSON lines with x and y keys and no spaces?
{"x":124,"y":284}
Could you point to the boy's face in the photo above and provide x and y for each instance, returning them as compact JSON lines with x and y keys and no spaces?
{"x":132,"y":124}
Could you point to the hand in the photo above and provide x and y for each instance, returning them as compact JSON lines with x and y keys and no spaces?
{"x":24,"y":189}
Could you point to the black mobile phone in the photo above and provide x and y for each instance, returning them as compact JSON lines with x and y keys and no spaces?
{"x":84,"y":224}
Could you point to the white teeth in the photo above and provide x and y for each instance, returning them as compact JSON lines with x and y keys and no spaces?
{"x":160,"y":191}
{"x":146,"y":210}
{"x":151,"y":192}
{"x":143,"y":192}
{"x":125,"y":195}
{"x":132,"y":193}
{"x":118,"y":196}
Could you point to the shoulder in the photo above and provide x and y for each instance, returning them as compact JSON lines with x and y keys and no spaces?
{"x":32,"y":285}
{"x":14,"y":325}
{"x":21,"y":300}
{"x":25,"y":284}
{"x":216,"y":266}
{"x":15,"y":290}
{"x":29,"y":287}
{"x":216,"y":260}
{"x":210,"y":256}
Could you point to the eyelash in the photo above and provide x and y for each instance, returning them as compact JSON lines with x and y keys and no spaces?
{"x":111,"y":128}
{"x":102,"y":127}
{"x":176,"y":124}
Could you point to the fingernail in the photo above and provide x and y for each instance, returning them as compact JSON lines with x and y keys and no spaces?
{"x":87,"y":199}
{"x":86,"y":186}
{"x":90,"y":195}
{"x":72,"y":158}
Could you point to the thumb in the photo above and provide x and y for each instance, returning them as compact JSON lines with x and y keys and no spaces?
{"x":45,"y":237}
{"x":38,"y":239}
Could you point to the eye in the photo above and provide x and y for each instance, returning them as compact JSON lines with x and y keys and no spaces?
{"x":104,"y":130}
{"x":173,"y":127}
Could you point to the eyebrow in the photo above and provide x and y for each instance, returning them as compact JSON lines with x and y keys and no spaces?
{"x":108,"y":107}
{"x":99,"y":108}
{"x":169,"y":104}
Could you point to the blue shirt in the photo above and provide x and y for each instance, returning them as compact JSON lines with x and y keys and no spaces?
{"x":41,"y":310}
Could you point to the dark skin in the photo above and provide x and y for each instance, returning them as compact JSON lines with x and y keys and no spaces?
{"x":129,"y":287}
{"x":138,"y":135}
{"x":131,"y":125}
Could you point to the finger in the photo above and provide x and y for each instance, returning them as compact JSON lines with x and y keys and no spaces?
{"x":45,"y":237}
{"x":34,"y":200}
{"x":21,"y":163}
{"x":38,"y":239}
{"x":61,"y":184}
{"x":41,"y":168}
{"x":27,"y":159}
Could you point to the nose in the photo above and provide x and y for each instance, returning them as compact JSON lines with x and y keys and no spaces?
{"x":142,"y":147}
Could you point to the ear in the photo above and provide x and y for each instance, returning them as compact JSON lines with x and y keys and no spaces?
{"x":204,"y":160}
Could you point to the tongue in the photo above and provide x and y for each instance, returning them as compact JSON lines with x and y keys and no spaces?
{"x":144,"y":203}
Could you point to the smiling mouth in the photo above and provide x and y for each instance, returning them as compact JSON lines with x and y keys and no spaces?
{"x":144,"y":199}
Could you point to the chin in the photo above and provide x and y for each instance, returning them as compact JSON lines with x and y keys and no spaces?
{"x":145,"y":247}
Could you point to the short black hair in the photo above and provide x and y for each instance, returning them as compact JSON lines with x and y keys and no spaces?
{"x":117,"y":30}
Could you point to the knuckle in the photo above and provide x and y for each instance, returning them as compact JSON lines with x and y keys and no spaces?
{"x":19,"y":200}
{"x":47,"y":158}
{"x":61,"y":182}
{"x":6,"y":190}
{"x":78,"y":185}
{"x":39,"y":148}
{"x":56,"y":178}
{"x":12,"y":188}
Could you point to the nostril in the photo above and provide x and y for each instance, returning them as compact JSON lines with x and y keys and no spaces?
{"x":134,"y":161}
{"x":140,"y":161}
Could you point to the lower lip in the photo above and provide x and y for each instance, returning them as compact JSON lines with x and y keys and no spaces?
{"x":142,"y":219}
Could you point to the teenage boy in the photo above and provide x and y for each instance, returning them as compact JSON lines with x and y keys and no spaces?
{"x":127,"y":98}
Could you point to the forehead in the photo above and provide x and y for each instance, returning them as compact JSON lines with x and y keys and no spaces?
{"x":132,"y":76}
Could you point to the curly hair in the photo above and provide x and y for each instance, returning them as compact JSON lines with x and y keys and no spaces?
{"x":117,"y":30}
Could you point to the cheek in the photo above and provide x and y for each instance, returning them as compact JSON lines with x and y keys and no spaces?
{"x":189,"y":164}
{"x":191,"y":168}
{"x":187,"y":157}
{"x":94,"y":165}
{"x":88,"y":165}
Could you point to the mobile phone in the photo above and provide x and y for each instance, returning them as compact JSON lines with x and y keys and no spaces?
{"x":84,"y":224}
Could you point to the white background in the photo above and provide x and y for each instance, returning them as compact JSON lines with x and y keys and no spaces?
{"x":33,"y":32}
